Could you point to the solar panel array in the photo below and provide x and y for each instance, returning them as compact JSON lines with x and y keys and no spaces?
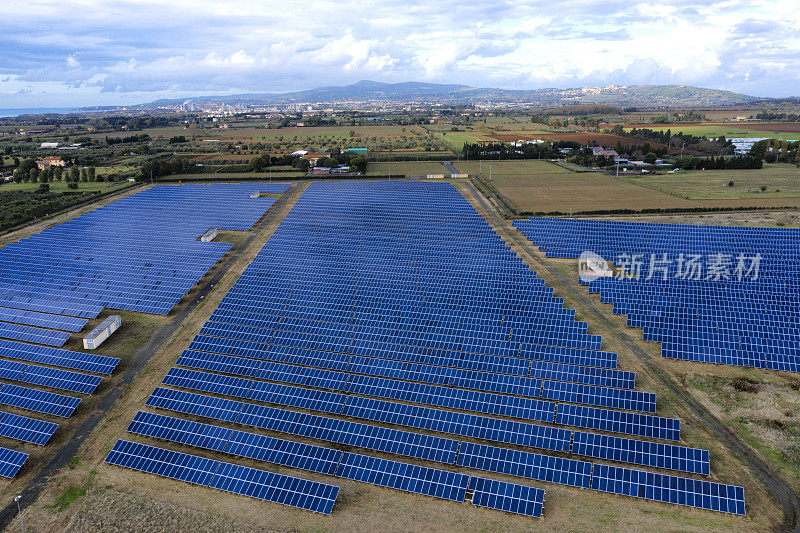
{"x":725,"y":295}
{"x":140,"y":253}
{"x":394,"y":303}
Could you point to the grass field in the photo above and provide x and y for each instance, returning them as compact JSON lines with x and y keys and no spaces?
{"x":782,"y":181}
{"x":541,"y":187}
{"x":410,"y":168}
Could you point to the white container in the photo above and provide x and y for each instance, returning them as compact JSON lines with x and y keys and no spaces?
{"x":103,"y":331}
{"x":209,"y":236}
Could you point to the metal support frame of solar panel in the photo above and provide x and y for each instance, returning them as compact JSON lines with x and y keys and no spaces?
{"x":260,"y":484}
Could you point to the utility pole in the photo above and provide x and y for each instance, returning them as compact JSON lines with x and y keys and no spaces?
{"x":17,"y":499}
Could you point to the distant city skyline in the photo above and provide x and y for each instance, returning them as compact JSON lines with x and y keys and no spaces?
{"x":89,"y":53}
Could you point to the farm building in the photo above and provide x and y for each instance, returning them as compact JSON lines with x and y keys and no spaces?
{"x":48,"y":162}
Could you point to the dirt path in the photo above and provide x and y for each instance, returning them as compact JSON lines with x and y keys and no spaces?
{"x":789,"y":500}
{"x":31,"y":492}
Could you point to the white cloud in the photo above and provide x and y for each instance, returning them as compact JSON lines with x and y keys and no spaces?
{"x":143,"y":49}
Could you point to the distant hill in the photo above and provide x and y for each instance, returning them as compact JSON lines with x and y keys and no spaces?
{"x":417,"y":92}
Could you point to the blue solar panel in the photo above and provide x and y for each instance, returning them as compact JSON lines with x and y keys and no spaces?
{"x":525,"y":464}
{"x":508,"y":497}
{"x":640,"y":452}
{"x":670,"y":489}
{"x":11,"y":461}
{"x":630,"y":400}
{"x":234,"y":442}
{"x":44,"y":320}
{"x":619,"y":422}
{"x":38,"y":400}
{"x":32,"y":334}
{"x":344,"y":432}
{"x":404,"y":476}
{"x":58,"y":357}
{"x":258,"y":484}
{"x":60,"y":379}
{"x":26,"y":429}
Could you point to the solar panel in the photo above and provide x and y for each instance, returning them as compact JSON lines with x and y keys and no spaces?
{"x":228,"y":477}
{"x":60,"y":379}
{"x":525,"y":464}
{"x":669,"y":489}
{"x":619,"y":422}
{"x":345,"y":432}
{"x":11,"y":461}
{"x":508,"y":497}
{"x":404,"y":476}
{"x":26,"y":429}
{"x":234,"y":442}
{"x":640,"y":452}
{"x":38,"y":400}
{"x":58,"y":357}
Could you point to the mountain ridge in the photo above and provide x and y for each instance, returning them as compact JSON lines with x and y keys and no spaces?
{"x":368,"y":91}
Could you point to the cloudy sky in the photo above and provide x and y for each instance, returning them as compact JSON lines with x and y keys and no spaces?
{"x":63,"y":53}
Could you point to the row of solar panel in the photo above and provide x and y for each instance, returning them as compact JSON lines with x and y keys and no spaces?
{"x":49,"y":377}
{"x":538,"y":410}
{"x":687,"y":312}
{"x":315,"y":496}
{"x":57,"y":266}
{"x":99,"y":364}
{"x":413,"y":478}
{"x":434,"y":394}
{"x":434,"y":448}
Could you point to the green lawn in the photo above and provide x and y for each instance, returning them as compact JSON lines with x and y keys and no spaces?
{"x":782,"y":181}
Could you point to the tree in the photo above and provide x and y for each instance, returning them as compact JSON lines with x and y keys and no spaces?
{"x":44,"y":187}
{"x":58,"y":173}
{"x":84,"y":175}
{"x":91,"y":173}
{"x":260,"y":162}
{"x":34,"y":175}
{"x":74,"y":173}
{"x":72,"y":185}
{"x":358,"y":163}
{"x":326,"y":162}
{"x":650,"y":158}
